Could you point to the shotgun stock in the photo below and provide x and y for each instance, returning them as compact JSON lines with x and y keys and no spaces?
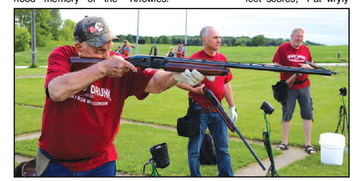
{"x":291,"y":80}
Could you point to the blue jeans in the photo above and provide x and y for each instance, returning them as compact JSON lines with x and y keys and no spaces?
{"x":219,"y":132}
{"x":56,"y":169}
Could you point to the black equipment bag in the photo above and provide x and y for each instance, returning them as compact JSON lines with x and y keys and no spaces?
{"x":189,"y":125}
{"x":26,"y":169}
{"x":280,"y":91}
{"x":186,"y":127}
{"x":207,"y":151}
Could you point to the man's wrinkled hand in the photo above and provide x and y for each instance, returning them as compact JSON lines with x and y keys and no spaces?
{"x":116,"y":66}
{"x":189,"y":77}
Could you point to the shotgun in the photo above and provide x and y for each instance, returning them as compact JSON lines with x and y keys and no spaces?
{"x":232,"y":127}
{"x":206,"y":67}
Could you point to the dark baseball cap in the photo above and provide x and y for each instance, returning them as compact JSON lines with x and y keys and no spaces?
{"x":94,"y":31}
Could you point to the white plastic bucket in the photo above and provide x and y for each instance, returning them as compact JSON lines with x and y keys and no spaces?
{"x":332,"y":147}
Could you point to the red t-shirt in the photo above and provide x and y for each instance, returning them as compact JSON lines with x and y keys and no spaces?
{"x":217,"y":86}
{"x":85,"y":125}
{"x":181,"y":50}
{"x":286,"y":55}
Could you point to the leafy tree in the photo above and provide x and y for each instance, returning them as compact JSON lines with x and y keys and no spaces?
{"x":43,"y":23}
{"x":147,"y":40}
{"x":43,"y":28}
{"x":259,"y":40}
{"x":22,"y":38}
{"x":164,"y":39}
{"x":307,"y":42}
{"x":154,"y":40}
{"x":67,"y":31}
{"x":131,"y":38}
{"x":23,"y":18}
{"x":228,"y":41}
{"x":55,"y":23}
{"x":242,"y":41}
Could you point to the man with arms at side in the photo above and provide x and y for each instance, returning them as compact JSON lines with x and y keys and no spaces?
{"x":83,"y":107}
{"x":295,"y":54}
{"x":210,"y":118}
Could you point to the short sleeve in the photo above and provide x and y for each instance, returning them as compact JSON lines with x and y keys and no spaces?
{"x":59,"y":62}
{"x":277,"y":57}
{"x":228,"y":77}
{"x":137,"y":82}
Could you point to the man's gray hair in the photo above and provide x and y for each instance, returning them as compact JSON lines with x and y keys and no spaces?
{"x":204,"y":31}
{"x":297,"y":29}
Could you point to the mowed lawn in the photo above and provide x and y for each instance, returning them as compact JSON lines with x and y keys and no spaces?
{"x":250,"y":89}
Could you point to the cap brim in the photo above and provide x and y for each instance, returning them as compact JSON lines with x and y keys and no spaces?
{"x":101,"y":40}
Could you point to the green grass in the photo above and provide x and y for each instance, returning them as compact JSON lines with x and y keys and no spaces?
{"x":30,"y":91}
{"x":163,"y":108}
{"x":25,"y":57}
{"x":239,"y":54}
{"x":250,"y":89}
{"x":328,"y":54}
{"x":27,"y":147}
{"x":27,"y":119}
{"x":134,"y":141}
{"x":30,"y":71}
{"x":312,"y":166}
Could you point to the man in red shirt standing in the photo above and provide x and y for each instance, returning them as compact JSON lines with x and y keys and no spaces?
{"x":83,"y":107}
{"x":210,"y":118}
{"x":295,"y":54}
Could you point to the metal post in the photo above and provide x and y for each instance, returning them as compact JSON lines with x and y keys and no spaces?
{"x":33,"y":40}
{"x":137,"y":33}
{"x":186,"y":31}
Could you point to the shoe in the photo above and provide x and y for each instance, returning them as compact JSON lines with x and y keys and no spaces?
{"x":282,"y":147}
{"x":310,"y":149}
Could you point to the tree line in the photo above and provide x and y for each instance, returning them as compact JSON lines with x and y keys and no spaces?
{"x":50,"y":26}
{"x":259,"y":40}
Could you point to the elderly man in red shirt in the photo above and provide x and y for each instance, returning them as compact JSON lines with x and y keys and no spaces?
{"x":83,"y":108}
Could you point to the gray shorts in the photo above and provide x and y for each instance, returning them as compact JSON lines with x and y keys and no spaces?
{"x":305,"y":103}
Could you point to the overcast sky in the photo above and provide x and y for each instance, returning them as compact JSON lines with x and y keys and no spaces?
{"x":327,"y":26}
